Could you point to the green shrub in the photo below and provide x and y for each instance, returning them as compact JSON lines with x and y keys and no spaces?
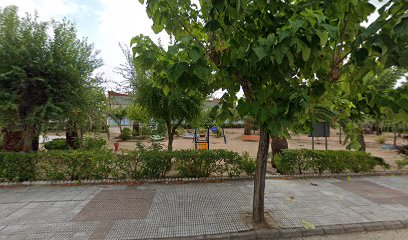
{"x":17,"y":166}
{"x":319,"y":161}
{"x":380,"y":140}
{"x":145,"y":131}
{"x":126,"y":134}
{"x":247,"y":164}
{"x":145,"y":162}
{"x":93,"y":143}
{"x":402,"y":163}
{"x":155,"y":164}
{"x":76,"y":165}
{"x":198,"y":163}
{"x":56,"y":144}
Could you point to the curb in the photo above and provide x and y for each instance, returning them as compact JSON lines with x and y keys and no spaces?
{"x":192,"y":180}
{"x":286,"y":233}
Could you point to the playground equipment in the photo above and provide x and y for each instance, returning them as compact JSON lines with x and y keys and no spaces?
{"x":204,"y":144}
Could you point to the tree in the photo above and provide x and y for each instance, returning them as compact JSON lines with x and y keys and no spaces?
{"x":374,"y":98}
{"x":284,"y":54}
{"x":173,"y":108}
{"x":41,"y":76}
{"x":138,"y":115}
{"x":118,"y":114}
{"x":126,"y":70}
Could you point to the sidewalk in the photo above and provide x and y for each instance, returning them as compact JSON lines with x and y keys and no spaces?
{"x":194,"y":209}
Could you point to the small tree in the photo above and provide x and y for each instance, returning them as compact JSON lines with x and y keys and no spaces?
{"x":283,"y":54}
{"x":174,"y":108}
{"x":118,"y":114}
{"x":138,"y":115}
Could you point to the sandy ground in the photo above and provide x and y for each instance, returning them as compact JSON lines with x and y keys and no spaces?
{"x":235,"y":143}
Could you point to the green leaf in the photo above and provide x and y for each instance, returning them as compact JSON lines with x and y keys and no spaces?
{"x":403,"y":59}
{"x":332,"y":30}
{"x":176,"y":71}
{"x":290,"y":57}
{"x":157,"y":27}
{"x":279,"y":53}
{"x":306,"y":53}
{"x":324,"y":36}
{"x":166,"y":89}
{"x":141,"y":1}
{"x":202,"y":72}
{"x":361,"y":55}
{"x":194,"y":54}
{"x":260,"y":52}
{"x":243,"y":107}
{"x":308,"y":225}
{"x":212,"y":25}
{"x":298,"y":23}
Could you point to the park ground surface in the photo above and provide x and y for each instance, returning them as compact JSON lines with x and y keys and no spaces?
{"x":160,"y":210}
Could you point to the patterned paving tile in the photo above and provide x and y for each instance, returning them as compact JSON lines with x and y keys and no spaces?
{"x":111,"y":205}
{"x":375,"y":192}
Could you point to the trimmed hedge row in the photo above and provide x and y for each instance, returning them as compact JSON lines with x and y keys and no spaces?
{"x":319,"y":161}
{"x":87,"y":144}
{"x":103,"y":164}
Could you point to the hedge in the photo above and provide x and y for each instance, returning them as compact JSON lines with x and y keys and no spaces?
{"x":88,"y":144}
{"x":320,"y":161}
{"x":103,"y":164}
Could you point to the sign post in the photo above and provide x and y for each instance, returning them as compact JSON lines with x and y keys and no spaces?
{"x":321,"y":129}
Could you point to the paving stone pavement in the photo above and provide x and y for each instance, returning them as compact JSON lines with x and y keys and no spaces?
{"x":180,"y":210}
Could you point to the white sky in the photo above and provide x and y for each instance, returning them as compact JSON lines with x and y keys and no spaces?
{"x":103,"y":22}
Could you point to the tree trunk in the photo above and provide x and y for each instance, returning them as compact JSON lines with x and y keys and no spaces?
{"x":277,"y":146}
{"x":361,"y":141}
{"x":71,"y":134}
{"x":12,"y":140}
{"x":247,"y":127}
{"x":90,"y":123}
{"x":36,"y":143}
{"x":395,"y":138}
{"x":170,"y":134}
{"x":340,"y":134}
{"x":28,"y":137}
{"x":259,"y":183}
{"x":120,"y":127}
{"x":136,"y":128}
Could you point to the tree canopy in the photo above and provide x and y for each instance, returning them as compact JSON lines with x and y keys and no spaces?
{"x":283,"y":54}
{"x":173,"y":104}
{"x":42,"y":77}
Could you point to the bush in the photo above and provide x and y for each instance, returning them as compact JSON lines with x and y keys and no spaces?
{"x":75,"y":165}
{"x":248,"y":164}
{"x":319,"y":161}
{"x":17,"y":166}
{"x":126,"y":134}
{"x":198,"y":163}
{"x":56,"y":144}
{"x":94,"y":143}
{"x":150,"y":162}
{"x":145,"y":131}
{"x":402,"y":163}
{"x":380,"y":140}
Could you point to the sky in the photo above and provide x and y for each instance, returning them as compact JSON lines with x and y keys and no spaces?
{"x":106,"y":23}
